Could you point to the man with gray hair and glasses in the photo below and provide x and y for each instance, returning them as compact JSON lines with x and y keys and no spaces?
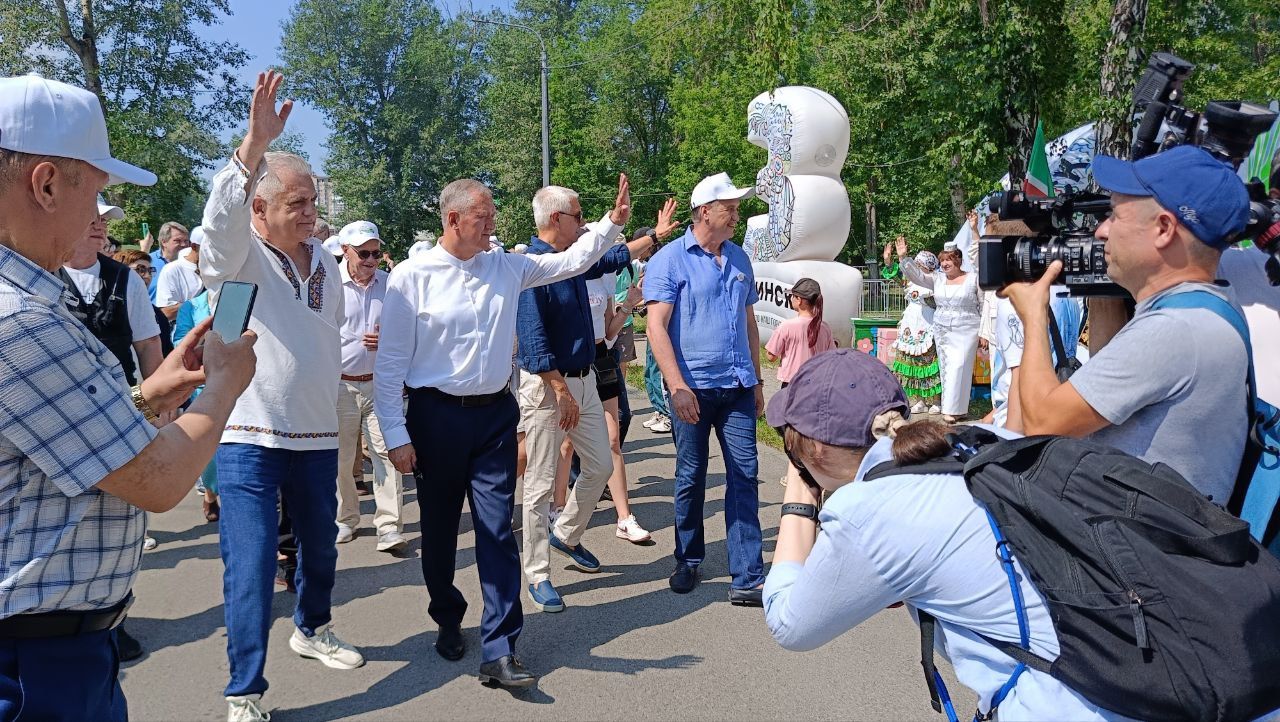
{"x":448,"y":334}
{"x":282,"y":439}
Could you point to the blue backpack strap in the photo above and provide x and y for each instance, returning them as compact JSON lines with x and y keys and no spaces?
{"x":1203,"y":299}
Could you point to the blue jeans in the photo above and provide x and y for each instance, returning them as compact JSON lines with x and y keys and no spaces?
{"x":250,"y":478}
{"x":653,"y":384}
{"x":732,"y":413}
{"x":62,"y":678}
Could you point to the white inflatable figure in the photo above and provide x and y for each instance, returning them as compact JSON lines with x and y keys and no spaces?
{"x":806,"y":133}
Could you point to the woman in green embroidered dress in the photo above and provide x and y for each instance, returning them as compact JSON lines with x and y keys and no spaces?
{"x":916,"y":361}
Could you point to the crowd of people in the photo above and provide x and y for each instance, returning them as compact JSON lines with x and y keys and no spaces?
{"x":477,"y":371}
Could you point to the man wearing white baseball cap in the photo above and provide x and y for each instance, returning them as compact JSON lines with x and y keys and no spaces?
{"x":701,"y":293}
{"x":364,"y":286}
{"x":79,"y":462}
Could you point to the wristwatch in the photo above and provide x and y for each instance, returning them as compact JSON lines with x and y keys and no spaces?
{"x":140,"y":403}
{"x":808,"y":511}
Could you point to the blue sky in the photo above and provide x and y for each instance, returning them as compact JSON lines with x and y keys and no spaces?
{"x":255,"y":25}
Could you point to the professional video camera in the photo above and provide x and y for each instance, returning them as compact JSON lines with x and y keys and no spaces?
{"x":1062,"y":228}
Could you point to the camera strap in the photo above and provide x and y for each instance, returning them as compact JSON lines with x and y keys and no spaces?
{"x":1064,"y":365}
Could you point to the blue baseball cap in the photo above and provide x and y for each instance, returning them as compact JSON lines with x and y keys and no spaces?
{"x":1202,"y":191}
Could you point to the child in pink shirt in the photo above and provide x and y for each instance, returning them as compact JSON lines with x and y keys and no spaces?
{"x":799,"y":339}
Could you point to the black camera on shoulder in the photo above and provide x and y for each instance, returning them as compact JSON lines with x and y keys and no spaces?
{"x":1062,"y":228}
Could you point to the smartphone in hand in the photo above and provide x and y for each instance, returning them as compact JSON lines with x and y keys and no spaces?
{"x":235,"y":306}
{"x":146,"y":229}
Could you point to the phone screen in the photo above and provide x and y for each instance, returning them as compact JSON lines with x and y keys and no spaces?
{"x":235,"y":304}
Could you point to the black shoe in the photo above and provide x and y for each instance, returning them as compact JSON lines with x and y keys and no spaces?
{"x":286,"y":574}
{"x":506,"y":672}
{"x":747,"y":597}
{"x":129,"y":648}
{"x":449,"y":643}
{"x":684,"y":579}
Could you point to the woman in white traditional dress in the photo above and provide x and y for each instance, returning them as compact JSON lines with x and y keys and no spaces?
{"x":916,"y":360}
{"x":956,"y":319}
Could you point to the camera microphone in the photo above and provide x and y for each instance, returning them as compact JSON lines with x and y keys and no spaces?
{"x":1144,"y":140}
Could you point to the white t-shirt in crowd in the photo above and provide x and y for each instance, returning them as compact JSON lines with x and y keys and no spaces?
{"x":142,"y":320}
{"x":1244,"y":269}
{"x":178,"y":282}
{"x":599,"y":295}
{"x":1010,"y":341}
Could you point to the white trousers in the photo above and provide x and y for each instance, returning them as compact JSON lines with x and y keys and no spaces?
{"x":355,"y":408}
{"x":540,"y":418}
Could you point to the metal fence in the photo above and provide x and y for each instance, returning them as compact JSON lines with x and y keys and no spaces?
{"x":882,"y":298}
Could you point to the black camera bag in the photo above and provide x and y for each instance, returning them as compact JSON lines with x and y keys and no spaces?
{"x":1164,"y":606}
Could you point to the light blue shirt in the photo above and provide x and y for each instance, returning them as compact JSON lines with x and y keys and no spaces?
{"x":710,"y":299}
{"x":921,"y":539}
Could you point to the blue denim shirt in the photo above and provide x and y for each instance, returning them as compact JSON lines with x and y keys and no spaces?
{"x":553,"y":322}
{"x":708,"y":320}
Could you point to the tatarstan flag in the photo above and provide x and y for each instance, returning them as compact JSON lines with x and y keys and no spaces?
{"x":1039,"y":181}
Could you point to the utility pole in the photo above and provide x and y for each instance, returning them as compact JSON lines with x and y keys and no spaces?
{"x":545,"y":72}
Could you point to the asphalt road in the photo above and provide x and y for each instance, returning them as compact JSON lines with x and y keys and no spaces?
{"x":625,"y":647}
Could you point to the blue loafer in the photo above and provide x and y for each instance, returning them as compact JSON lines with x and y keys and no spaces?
{"x":582,"y":559}
{"x":545,"y":598}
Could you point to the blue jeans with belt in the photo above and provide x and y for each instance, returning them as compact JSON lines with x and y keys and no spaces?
{"x":250,"y":479}
{"x":732,"y":414}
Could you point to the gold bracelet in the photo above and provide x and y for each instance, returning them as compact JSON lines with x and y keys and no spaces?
{"x":141,"y":404}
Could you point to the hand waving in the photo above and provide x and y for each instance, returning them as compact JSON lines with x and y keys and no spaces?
{"x":265,"y":122}
{"x":621,"y":212}
{"x":665,"y":225}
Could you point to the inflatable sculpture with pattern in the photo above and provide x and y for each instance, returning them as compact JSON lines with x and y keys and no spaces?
{"x":806,"y":133}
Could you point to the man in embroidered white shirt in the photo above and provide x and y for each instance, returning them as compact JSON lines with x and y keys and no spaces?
{"x":282,"y":437}
{"x":364,"y":286}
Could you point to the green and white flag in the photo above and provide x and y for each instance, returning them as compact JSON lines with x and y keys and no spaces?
{"x":1039,"y":181}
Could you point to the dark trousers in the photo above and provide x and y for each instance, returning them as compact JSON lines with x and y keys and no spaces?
{"x":469,"y":452}
{"x":61,"y":678}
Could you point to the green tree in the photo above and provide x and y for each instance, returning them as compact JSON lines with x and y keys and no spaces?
{"x":396,"y":84}
{"x":168,"y":93}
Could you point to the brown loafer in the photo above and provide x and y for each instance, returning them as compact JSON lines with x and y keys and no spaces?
{"x":211,"y":510}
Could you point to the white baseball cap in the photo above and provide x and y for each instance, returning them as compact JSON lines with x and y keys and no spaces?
{"x":333,"y":245}
{"x":115,"y":213}
{"x":45,"y":117}
{"x":196,"y":237}
{"x":717,"y":187}
{"x":358,"y":233}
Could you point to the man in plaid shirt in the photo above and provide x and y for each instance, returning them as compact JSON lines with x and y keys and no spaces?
{"x":79,"y":462}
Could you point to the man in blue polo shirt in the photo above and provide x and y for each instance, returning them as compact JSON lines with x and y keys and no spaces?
{"x":558,"y":395}
{"x":700,"y":292}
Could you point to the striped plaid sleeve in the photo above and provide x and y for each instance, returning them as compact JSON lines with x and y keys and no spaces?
{"x":61,"y":406}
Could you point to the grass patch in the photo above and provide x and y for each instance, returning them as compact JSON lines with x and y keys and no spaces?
{"x":768,"y":435}
{"x":635,"y":375}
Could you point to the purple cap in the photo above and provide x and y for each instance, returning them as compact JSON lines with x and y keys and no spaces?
{"x":835,"y":396}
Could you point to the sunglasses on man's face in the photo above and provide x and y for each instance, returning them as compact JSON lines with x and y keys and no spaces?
{"x":144,"y":270}
{"x":366,"y":255}
{"x":575,"y":216}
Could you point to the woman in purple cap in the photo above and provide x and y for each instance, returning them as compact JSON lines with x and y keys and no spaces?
{"x":914,"y":539}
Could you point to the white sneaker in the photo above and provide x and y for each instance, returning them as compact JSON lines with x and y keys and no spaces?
{"x":661,"y":426}
{"x":326,"y":647}
{"x":345,"y":534}
{"x":935,"y":409}
{"x":631,"y":530}
{"x":246,"y":709}
{"x":149,"y":543}
{"x":652,"y":420}
{"x":391,"y":541}
{"x":918,"y":408}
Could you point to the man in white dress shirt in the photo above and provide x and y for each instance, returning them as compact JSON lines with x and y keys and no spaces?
{"x":179,"y":280}
{"x":448,"y":326}
{"x":364,"y":286}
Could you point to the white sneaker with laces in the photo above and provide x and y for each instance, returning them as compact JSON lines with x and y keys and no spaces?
{"x":631,"y":530}
{"x":246,"y":709}
{"x":935,"y":409}
{"x":918,"y":408}
{"x":326,"y":647}
{"x":345,"y":534}
{"x":652,"y":420}
{"x":391,"y":541}
{"x":661,"y":426}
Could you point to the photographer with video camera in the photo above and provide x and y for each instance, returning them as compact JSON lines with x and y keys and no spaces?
{"x":1168,"y":386}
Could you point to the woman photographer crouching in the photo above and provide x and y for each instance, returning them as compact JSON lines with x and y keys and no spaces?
{"x":919,"y":539}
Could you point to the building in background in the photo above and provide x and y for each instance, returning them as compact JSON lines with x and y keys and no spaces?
{"x":329,"y":204}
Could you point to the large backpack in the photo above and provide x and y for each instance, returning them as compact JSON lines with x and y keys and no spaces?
{"x":1256,"y":496}
{"x":1165,"y":608}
